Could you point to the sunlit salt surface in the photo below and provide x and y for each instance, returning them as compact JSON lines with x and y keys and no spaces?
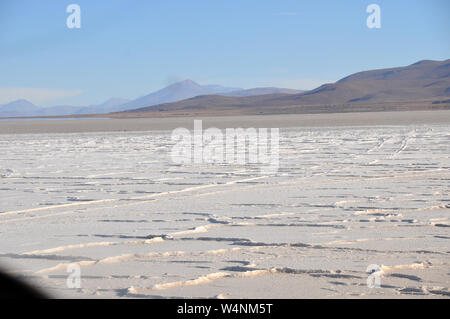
{"x":141,"y":227}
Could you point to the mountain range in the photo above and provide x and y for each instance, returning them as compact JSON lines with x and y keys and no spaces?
{"x":422,"y":85}
{"x":23,"y":107}
{"x":172,"y":93}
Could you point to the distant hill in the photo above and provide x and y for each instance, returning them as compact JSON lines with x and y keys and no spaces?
{"x":111,"y":105}
{"x":420,"y":81}
{"x":18,"y":108}
{"x":188,"y":89}
{"x":26,"y":108}
{"x":221,"y":89}
{"x":422,"y":85}
{"x":176,"y":92}
{"x":57,"y":110}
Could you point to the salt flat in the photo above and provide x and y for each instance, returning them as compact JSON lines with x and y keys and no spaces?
{"x":83,"y":125}
{"x":345,"y":197}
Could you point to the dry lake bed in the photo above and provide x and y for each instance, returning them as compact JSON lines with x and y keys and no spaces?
{"x":352,"y":192}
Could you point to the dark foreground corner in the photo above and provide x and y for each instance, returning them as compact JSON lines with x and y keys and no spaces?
{"x":13,"y":288}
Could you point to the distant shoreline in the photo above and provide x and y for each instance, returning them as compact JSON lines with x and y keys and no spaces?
{"x":105,"y":124}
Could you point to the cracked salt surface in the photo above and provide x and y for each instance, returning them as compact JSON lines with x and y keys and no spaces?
{"x":140,"y":227}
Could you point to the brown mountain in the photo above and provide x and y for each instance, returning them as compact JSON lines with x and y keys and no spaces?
{"x":421,"y":80}
{"x":422,"y":85}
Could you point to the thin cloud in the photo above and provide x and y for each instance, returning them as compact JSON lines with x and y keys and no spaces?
{"x":35,"y":95}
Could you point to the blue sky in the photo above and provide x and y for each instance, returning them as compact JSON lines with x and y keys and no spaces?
{"x":131,"y":48}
